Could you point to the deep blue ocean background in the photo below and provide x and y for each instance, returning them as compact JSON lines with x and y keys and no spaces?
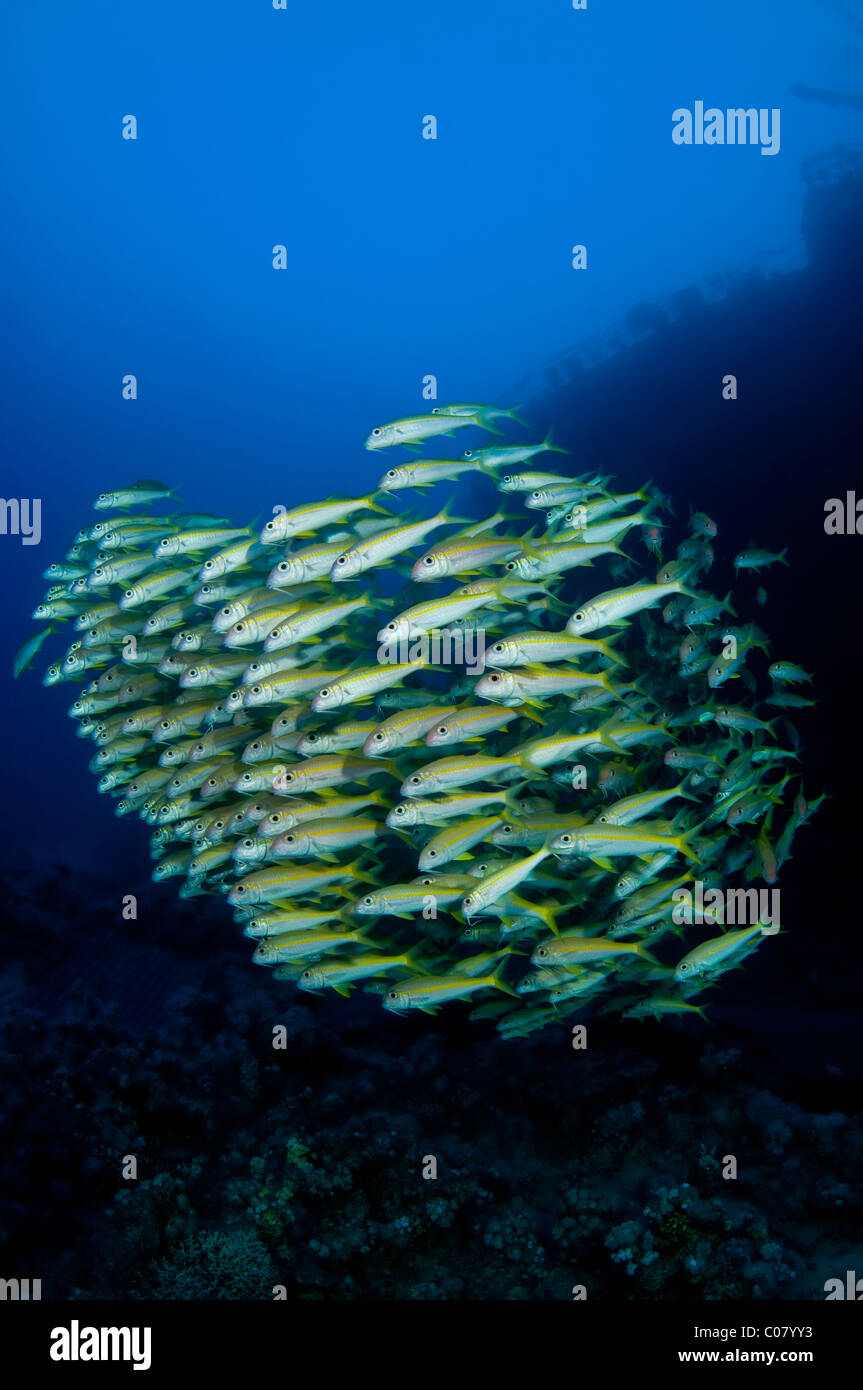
{"x":407,"y":257}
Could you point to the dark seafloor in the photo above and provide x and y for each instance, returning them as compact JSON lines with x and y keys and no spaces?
{"x":302,"y":1167}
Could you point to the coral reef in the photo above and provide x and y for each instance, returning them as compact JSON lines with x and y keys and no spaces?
{"x":300,"y":1168}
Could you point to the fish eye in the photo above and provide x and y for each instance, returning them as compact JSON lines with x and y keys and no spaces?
{"x":468,"y":454}
{"x":274,"y":818}
{"x":342,"y":560}
{"x":511,"y":565}
{"x":494,"y":679}
{"x":208,"y":564}
{"x":392,"y":627}
{"x":468,"y":900}
{"x":498,"y":647}
{"x":428,"y":559}
{"x":240,"y":627}
{"x":325,"y":691}
{"x":431,"y":854}
{"x":415,"y":780}
{"x":442,"y":729}
{"x":289,"y":839}
{"x":391,"y":472}
{"x":566,"y":839}
{"x":256,"y":690}
{"x":270,"y":526}
{"x":211,"y":781}
{"x":129,"y":592}
{"x":219,"y":825}
{"x":391,"y":994}
{"x":192,"y":671}
{"x":535,"y":496}
{"x":375,"y":431}
{"x":239,"y":889}
{"x":579,"y":617}
{"x":247,"y":844}
{"x":164,"y":724}
{"x":505,"y":830}
{"x":367,"y":902}
{"x":307,"y":974}
{"x":283,"y":566}
{"x":379,"y":738}
{"x":102,"y":496}
{"x":542,"y":952}
{"x":399,"y":811}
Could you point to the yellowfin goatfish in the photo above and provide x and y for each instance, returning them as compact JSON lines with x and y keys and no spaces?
{"x":218,"y":669}
{"x":414,"y":429}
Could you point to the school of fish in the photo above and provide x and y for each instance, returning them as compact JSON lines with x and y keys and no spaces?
{"x":439,"y":758}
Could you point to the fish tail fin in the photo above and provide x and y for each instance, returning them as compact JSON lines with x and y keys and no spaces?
{"x":364,"y":939}
{"x":773,"y":930}
{"x":361,"y":876}
{"x":511,"y":795}
{"x":685,"y":847}
{"x":529,"y":714}
{"x":515,"y":416}
{"x":447,"y":516}
{"x":781,"y":556}
{"x":646,"y":955}
{"x":528,"y":544}
{"x":412,"y":960}
{"x":376,"y":507}
{"x":550,"y":447}
{"x":546,"y":913}
{"x":606,"y":647}
{"x":501,"y":984}
{"x":606,"y":739}
{"x":530,"y":771}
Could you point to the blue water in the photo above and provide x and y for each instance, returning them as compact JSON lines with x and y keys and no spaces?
{"x":408,"y":257}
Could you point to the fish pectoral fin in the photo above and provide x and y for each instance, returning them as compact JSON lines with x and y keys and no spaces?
{"x":429,"y":1008}
{"x":343,"y":990}
{"x":601,"y":863}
